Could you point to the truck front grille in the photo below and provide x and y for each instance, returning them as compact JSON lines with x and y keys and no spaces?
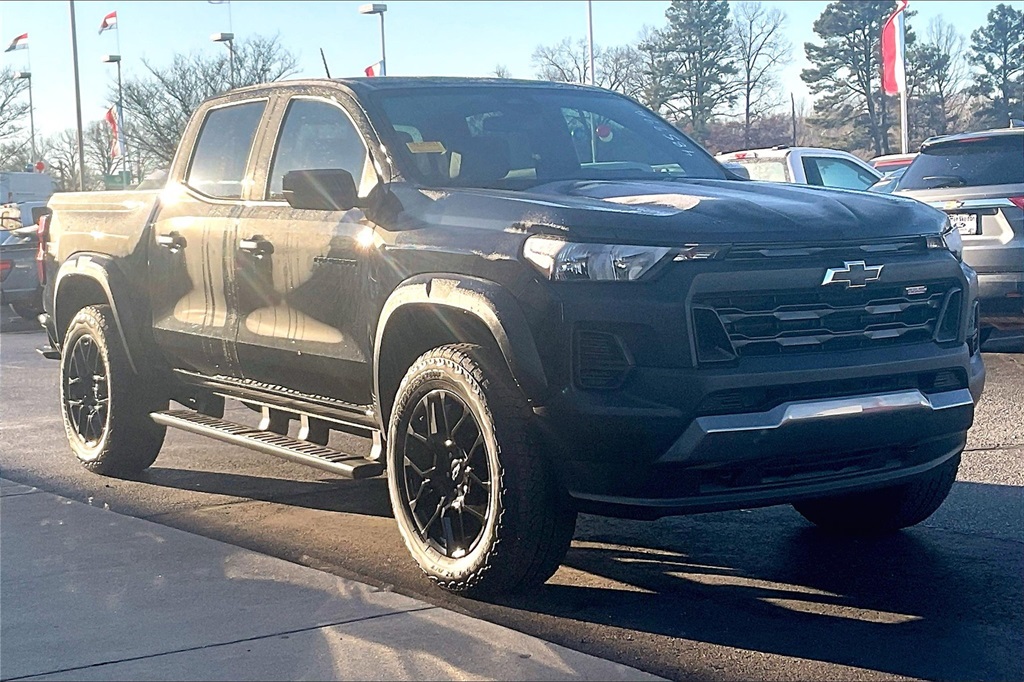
{"x":828,"y":319}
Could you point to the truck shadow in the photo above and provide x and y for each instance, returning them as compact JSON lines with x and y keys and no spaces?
{"x":924,"y":603}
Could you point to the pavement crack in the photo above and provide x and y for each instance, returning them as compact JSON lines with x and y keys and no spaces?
{"x":215,"y":645}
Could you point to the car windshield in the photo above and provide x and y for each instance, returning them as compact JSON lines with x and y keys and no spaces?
{"x":990,"y":160}
{"x":518,"y":137}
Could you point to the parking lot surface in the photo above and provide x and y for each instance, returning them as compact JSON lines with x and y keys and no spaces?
{"x":752,"y":594}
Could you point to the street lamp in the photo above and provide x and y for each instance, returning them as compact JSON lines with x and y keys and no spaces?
{"x":116,"y":59}
{"x":229,"y":40}
{"x":27,"y":75}
{"x":378,"y":8}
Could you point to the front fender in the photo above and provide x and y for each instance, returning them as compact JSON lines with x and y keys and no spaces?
{"x":487,"y":301}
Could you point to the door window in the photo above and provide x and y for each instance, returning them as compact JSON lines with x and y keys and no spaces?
{"x":222,"y":150}
{"x":832,"y":172}
{"x":316,"y":135}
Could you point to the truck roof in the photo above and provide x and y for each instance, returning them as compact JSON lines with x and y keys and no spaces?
{"x":384,"y":83}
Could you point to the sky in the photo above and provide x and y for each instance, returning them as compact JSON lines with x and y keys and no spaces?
{"x":452,"y":38}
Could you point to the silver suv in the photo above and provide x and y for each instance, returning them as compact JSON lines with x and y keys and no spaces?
{"x":978,"y":180}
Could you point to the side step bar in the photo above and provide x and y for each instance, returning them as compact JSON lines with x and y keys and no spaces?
{"x":303,"y":452}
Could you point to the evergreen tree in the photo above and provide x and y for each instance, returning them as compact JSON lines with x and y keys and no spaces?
{"x":847,"y":72}
{"x":997,"y":50}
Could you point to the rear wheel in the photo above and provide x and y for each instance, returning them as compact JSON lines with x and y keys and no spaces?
{"x":885,"y":510}
{"x":104,"y":403}
{"x":478,"y":508}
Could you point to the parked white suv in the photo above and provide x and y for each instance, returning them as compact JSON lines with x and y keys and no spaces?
{"x":805,"y":166}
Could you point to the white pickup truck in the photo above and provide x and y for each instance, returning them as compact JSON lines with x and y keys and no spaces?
{"x":805,"y":166}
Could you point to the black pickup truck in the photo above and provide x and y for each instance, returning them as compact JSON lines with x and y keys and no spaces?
{"x":532,"y":300}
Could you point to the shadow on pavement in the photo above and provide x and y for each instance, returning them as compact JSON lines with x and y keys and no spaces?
{"x":337,"y":495}
{"x":917,"y":603}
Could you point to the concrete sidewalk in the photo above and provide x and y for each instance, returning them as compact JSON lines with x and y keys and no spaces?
{"x":88,"y":594}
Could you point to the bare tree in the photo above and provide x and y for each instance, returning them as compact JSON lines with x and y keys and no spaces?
{"x":501,"y":71}
{"x":13,"y":111}
{"x":99,"y":142}
{"x":159,"y":104}
{"x":60,"y":151}
{"x":757,"y":34}
{"x":566,"y":62}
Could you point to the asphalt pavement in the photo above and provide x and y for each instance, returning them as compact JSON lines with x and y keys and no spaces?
{"x":751,"y":594}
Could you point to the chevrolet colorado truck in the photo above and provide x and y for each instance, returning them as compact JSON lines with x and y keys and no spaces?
{"x":531,"y":300}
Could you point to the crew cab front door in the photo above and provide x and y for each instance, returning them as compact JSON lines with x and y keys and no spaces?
{"x":192,"y":249}
{"x":304,"y":275}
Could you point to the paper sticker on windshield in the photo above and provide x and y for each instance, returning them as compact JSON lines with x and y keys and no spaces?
{"x":425,"y":147}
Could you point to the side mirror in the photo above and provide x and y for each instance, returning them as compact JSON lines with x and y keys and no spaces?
{"x":326,"y":189}
{"x":737,"y":169}
{"x":38,"y":212}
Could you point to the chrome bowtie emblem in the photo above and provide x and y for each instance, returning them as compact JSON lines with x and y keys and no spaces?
{"x":853,"y":274}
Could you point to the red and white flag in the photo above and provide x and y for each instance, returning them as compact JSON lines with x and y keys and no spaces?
{"x":374,"y":70}
{"x":19,"y":43}
{"x":116,"y":145}
{"x":109,"y":22}
{"x":894,"y":74}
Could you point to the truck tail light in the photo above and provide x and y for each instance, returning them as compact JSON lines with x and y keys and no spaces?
{"x":1018,"y":202}
{"x":5,"y":268}
{"x":43,"y":233}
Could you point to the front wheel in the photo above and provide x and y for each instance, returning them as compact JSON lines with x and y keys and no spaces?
{"x":478,"y":508}
{"x":104,"y":403}
{"x":887,"y":509}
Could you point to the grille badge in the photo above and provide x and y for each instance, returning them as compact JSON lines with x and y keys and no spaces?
{"x":853,"y":274}
{"x":916,"y":290}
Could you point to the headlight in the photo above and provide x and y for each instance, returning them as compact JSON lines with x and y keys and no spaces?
{"x":560,"y":260}
{"x":950,"y":239}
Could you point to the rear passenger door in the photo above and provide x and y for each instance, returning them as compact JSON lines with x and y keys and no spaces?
{"x":304,"y":275}
{"x":191,"y":256}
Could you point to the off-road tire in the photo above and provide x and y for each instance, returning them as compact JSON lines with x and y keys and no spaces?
{"x":884,"y":510}
{"x":531,"y":521}
{"x":123,"y":440}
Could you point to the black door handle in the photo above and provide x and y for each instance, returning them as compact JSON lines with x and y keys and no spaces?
{"x":257,"y":245}
{"x":173,"y":241}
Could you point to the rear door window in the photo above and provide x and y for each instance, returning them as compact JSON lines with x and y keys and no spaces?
{"x":222,"y":150}
{"x":838,"y":173}
{"x":995,"y":160}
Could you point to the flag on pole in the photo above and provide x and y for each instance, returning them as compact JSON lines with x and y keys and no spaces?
{"x":374,"y":70}
{"x":109,"y":22}
{"x":116,"y":143}
{"x":19,"y":43}
{"x":894,"y":74}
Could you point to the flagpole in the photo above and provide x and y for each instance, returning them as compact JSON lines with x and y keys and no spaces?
{"x":904,"y":113}
{"x":590,"y":40}
{"x":31,"y":106}
{"x":78,"y":98}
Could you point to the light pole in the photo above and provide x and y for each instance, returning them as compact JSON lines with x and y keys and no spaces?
{"x":27,"y":75}
{"x":378,"y":8}
{"x":229,"y":40}
{"x":116,"y":59}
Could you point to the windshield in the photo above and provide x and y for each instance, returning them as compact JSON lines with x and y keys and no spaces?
{"x":995,"y":160}
{"x":518,"y":137}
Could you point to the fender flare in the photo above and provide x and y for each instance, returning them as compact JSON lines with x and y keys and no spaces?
{"x":103,"y":271}
{"x":488,"y":302}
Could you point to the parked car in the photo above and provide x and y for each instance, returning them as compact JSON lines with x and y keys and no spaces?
{"x":805,"y":166}
{"x":888,"y":163}
{"x":978,"y":180}
{"x":888,"y":182}
{"x":19,"y":279}
{"x":525,"y":314}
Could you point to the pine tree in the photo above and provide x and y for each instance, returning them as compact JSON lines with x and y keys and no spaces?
{"x":997,"y":50}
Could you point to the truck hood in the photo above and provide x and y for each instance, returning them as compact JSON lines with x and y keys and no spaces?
{"x":709,"y":211}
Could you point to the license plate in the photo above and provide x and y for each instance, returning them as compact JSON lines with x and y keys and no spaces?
{"x":966,"y":223}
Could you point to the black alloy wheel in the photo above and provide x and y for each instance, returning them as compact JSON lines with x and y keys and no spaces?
{"x":87,"y":391}
{"x":447,"y":479}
